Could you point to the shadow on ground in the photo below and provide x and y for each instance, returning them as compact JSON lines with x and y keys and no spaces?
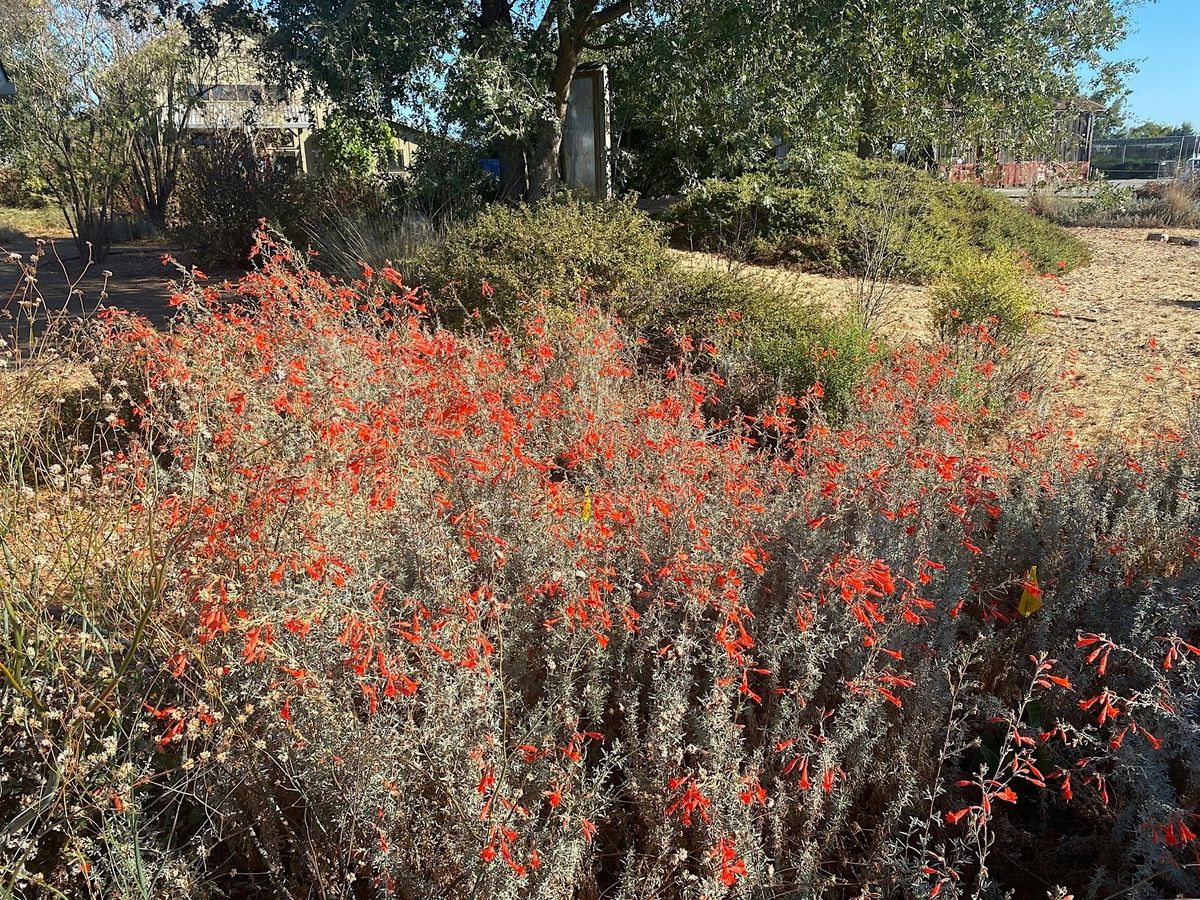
{"x":140,"y":281}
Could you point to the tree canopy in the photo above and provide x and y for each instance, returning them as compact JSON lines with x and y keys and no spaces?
{"x":89,"y":86}
{"x":734,"y":80}
{"x":1150,"y":129}
{"x":496,"y":71}
{"x":710,"y":82}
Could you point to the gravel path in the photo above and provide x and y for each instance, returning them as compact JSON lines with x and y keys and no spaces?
{"x":1133,"y":317}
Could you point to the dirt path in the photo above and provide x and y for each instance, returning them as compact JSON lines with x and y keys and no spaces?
{"x":140,"y":281}
{"x":1126,"y":328}
{"x":1133,"y":315}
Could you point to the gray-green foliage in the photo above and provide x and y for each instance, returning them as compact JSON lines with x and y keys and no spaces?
{"x":86,"y":84}
{"x":729,"y":84}
{"x":833,"y":216}
{"x":509,"y":257}
{"x":1156,"y":205}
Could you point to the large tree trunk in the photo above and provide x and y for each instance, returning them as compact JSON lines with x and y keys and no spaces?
{"x":548,"y":140}
{"x":868,"y":124}
{"x":514,"y":171}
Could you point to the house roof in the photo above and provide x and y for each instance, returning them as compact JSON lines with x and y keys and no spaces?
{"x":7,"y":86}
{"x":1081,"y":104}
{"x":409,"y":132}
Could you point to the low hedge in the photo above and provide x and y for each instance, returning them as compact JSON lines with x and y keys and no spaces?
{"x":509,"y":261}
{"x":556,"y":253}
{"x":841,"y":218}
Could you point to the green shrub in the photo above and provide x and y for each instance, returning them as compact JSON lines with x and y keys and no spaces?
{"x":753,"y":217}
{"x":445,"y":183}
{"x":847,"y":214}
{"x":989,"y":290}
{"x":557,"y":252}
{"x":888,"y":222}
{"x":352,"y":146}
{"x":991,"y":223}
{"x":19,"y":191}
{"x":226,"y":189}
{"x":832,"y":351}
{"x":769,"y":339}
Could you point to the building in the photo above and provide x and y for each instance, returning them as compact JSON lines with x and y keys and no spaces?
{"x":8,"y":87}
{"x":1011,"y":159}
{"x":406,"y":141}
{"x":228,"y":94}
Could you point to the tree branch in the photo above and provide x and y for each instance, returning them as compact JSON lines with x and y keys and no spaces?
{"x":548,"y":18}
{"x":615,"y":42}
{"x":609,"y":14}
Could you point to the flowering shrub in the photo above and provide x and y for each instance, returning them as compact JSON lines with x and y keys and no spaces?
{"x":413,"y":613}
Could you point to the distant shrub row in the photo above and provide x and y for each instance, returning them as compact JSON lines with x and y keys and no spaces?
{"x":1156,"y":205}
{"x":508,"y":259}
{"x":838,"y":218}
{"x":227,"y":187}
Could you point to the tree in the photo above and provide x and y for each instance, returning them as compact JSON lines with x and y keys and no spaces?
{"x":724,"y":80}
{"x":353,"y":146}
{"x":496,"y":71}
{"x":1150,"y":129}
{"x":179,"y":76}
{"x":905,"y":70}
{"x":70,"y":121}
{"x":733,"y":82}
{"x":713,"y":93}
{"x":1109,"y":89}
{"x":86,"y":84}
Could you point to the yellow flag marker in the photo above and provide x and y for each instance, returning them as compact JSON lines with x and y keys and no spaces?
{"x":1031,"y":596}
{"x":587,"y":504}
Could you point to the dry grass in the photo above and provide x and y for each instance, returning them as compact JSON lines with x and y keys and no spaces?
{"x":908,"y":314}
{"x":18,"y":224}
{"x":1127,"y":326}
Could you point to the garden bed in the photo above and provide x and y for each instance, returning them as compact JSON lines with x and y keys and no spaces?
{"x":1126,"y":328}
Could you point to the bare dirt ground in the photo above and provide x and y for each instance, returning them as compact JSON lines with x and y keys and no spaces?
{"x":140,"y":281}
{"x":1133,"y":315}
{"x":1125,"y":329}
{"x":1122,"y":334}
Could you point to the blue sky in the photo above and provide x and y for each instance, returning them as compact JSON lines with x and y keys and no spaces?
{"x":1165,"y":40}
